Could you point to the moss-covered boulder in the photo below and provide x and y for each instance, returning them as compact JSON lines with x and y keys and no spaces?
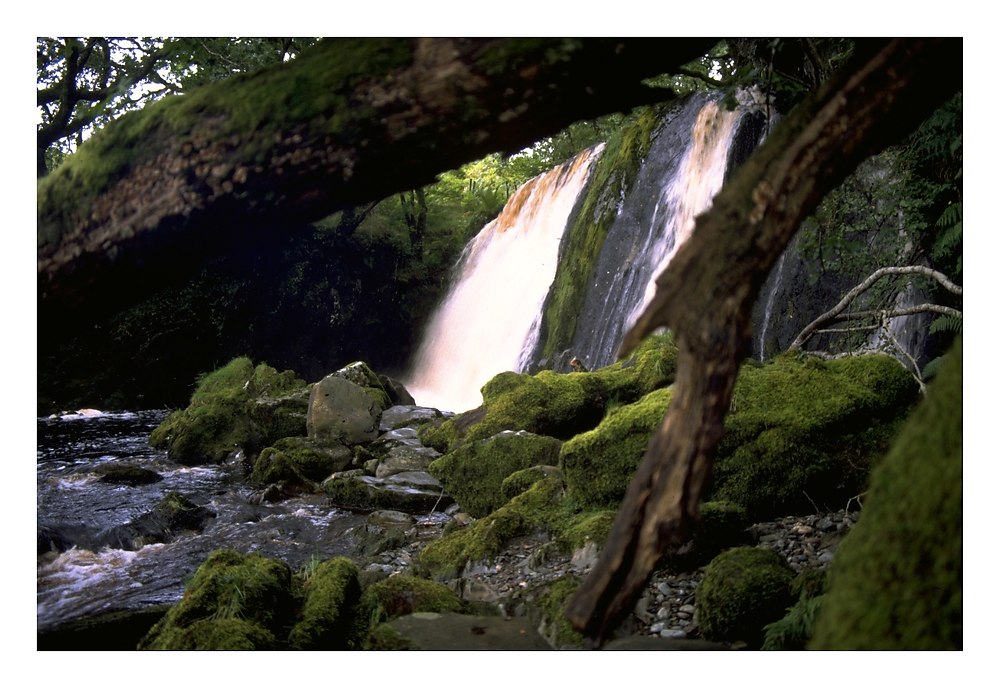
{"x":223,"y":634}
{"x":722,"y":525}
{"x":555,"y":404}
{"x":402,"y":594}
{"x":551,"y":612}
{"x":228,"y":586}
{"x":300,"y":460}
{"x":238,"y":407}
{"x":599,"y":464}
{"x":896,"y":580}
{"x":803,"y":431}
{"x":536,"y":509}
{"x":474,"y":473}
{"x":329,"y":617}
{"x":410,"y":491}
{"x":519,"y":481}
{"x":744,"y":589}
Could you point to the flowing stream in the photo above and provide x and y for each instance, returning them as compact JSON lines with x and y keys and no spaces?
{"x":87,"y":574}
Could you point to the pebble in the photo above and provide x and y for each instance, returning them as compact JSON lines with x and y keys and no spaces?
{"x":668,"y":608}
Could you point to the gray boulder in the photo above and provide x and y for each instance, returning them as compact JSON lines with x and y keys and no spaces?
{"x":342,"y":410}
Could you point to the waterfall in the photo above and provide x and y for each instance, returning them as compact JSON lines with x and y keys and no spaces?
{"x":488,"y":323}
{"x":685,"y":168}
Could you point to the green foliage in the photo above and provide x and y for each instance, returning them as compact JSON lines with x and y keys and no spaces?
{"x":794,"y":630}
{"x":896,"y":581}
{"x":744,"y":589}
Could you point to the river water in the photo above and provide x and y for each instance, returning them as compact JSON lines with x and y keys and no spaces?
{"x":85,"y":575}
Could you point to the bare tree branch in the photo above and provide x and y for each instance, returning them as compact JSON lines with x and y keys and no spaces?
{"x":707,"y":292}
{"x":834,"y":314}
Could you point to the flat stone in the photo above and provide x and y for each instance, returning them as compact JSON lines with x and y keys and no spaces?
{"x":432,"y":631}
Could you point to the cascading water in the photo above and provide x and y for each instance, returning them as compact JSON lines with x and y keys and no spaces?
{"x":489,"y":321}
{"x":686,"y":167}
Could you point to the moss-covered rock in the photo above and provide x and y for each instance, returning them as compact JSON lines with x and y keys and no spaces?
{"x":329,"y":618}
{"x":400,"y":595}
{"x":555,"y":404}
{"x":300,"y":460}
{"x":536,"y":509}
{"x":599,"y":464}
{"x":744,"y":589}
{"x":519,"y":481}
{"x":238,"y":407}
{"x":224,"y":634}
{"x":542,"y":508}
{"x":804,"y":432}
{"x":474,"y":473}
{"x":722,"y":525}
{"x":553,"y":624}
{"x":173,"y":514}
{"x":227,"y":586}
{"x":410,"y":491}
{"x":896,"y":580}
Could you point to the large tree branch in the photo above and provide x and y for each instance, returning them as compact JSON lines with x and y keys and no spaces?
{"x":706,"y":294}
{"x":833,"y":314}
{"x":343,"y":124}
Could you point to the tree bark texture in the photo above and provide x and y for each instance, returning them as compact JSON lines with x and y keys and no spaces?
{"x":351,"y":121}
{"x":707,"y":292}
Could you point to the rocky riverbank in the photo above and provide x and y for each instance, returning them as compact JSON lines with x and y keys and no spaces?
{"x":513,"y":582}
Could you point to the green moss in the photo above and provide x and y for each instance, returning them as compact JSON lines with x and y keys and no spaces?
{"x":329,"y":617}
{"x":537,"y":509}
{"x":224,"y":634}
{"x":744,"y":589}
{"x":300,"y":460}
{"x":228,"y":585}
{"x":722,"y":525}
{"x":599,"y":464}
{"x":311,"y":95}
{"x":554,"y":404}
{"x":238,"y":406}
{"x":803,"y":432}
{"x":519,"y":481}
{"x":474,"y":473}
{"x":586,"y":527}
{"x":896,"y":580}
{"x":554,"y":626}
{"x":400,"y":595}
{"x":385,"y":637}
{"x":611,"y":178}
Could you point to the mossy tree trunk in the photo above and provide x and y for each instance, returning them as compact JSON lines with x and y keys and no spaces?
{"x":345,"y":123}
{"x":707,"y":293}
